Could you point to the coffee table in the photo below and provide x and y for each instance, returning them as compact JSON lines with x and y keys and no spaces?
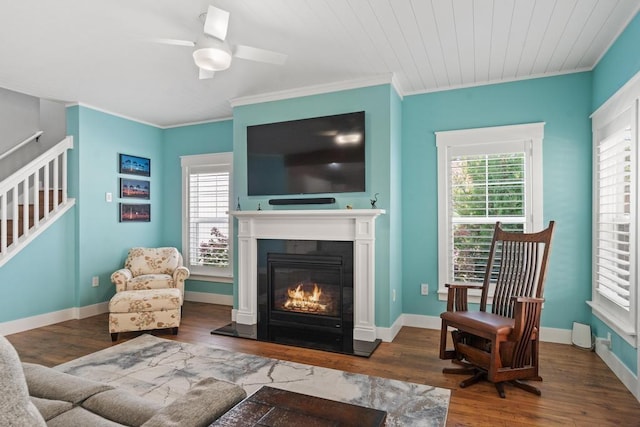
{"x":272,"y":407}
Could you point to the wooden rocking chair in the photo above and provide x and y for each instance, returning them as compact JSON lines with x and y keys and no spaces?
{"x":501,"y":345}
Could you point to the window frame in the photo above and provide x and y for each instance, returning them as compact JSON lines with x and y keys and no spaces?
{"x":486,"y":140}
{"x":223,"y":162}
{"x":606,"y":122}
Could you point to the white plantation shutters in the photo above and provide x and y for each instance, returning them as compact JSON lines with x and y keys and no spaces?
{"x":615,"y":221}
{"x":207,"y":234}
{"x":485,"y":175}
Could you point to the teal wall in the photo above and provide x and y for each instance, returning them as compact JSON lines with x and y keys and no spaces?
{"x":619,"y":65}
{"x":378,"y":103}
{"x":563,"y":103}
{"x":101,"y":242}
{"x":41,"y":278}
{"x":216,"y":137}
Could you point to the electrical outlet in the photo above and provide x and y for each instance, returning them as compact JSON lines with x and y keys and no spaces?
{"x":108,"y":197}
{"x":393,"y":295}
{"x":424,"y":289}
{"x":95,"y":281}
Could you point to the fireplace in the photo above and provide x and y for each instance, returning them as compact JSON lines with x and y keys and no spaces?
{"x":306,"y":232}
{"x":305,"y":293}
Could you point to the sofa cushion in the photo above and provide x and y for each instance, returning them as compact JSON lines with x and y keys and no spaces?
{"x":152,"y":260}
{"x":48,"y":383}
{"x":16,"y":409}
{"x":51,"y":408}
{"x":145,"y":300}
{"x":200,"y":406}
{"x":150,"y":281}
{"x":80,"y":417}
{"x":122,"y":407}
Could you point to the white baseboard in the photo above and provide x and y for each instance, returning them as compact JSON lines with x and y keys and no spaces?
{"x":388,"y":334}
{"x":27,"y":323}
{"x":555,"y":335}
{"x":92,"y":310}
{"x":628,"y":378}
{"x":208,"y":298}
{"x":33,"y":322}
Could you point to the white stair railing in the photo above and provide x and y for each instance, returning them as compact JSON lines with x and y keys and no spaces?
{"x":32,"y":198}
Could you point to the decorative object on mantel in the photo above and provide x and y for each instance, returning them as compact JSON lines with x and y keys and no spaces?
{"x":162,"y":370}
{"x":349,"y":207}
{"x":259,"y":207}
{"x":238,"y":208}
{"x":374,"y":200}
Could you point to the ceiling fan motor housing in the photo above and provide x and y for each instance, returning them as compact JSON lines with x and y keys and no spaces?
{"x":212,"y":54}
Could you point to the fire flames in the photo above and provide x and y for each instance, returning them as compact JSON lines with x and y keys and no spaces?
{"x":301,"y":300}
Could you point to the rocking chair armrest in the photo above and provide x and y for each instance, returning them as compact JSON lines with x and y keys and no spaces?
{"x":457,"y":295}
{"x":526,"y":313}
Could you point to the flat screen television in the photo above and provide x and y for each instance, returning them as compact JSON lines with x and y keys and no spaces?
{"x":307,"y":156}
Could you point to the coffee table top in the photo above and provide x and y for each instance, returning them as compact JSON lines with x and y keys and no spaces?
{"x":272,"y":407}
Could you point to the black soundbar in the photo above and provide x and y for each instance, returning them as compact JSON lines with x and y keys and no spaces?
{"x":301,"y":201}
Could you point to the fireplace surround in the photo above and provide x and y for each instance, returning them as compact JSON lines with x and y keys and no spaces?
{"x":347,"y":225}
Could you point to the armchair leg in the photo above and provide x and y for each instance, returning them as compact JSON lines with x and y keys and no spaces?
{"x":500,"y":388}
{"x":527,"y":387}
{"x":114,"y":336}
{"x":174,"y":331}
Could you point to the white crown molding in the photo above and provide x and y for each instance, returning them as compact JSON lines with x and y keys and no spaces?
{"x":497,"y":82}
{"x":202,"y":122}
{"x":318,"y":90}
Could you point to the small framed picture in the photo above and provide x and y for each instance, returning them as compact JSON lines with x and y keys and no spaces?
{"x":134,"y":165}
{"x":134,"y":188}
{"x":135,"y":212}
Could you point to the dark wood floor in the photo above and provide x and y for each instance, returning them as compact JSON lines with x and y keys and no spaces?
{"x":578,"y":389}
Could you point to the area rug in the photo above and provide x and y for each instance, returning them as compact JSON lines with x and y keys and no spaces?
{"x":162,"y":370}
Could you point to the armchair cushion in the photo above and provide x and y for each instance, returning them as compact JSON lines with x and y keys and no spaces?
{"x":150,"y":281}
{"x":480,"y":322}
{"x":145,"y":300}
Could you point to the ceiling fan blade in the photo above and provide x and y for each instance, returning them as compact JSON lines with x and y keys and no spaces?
{"x":205,"y":74}
{"x":260,"y":55}
{"x":174,"y":42}
{"x":217,"y":22}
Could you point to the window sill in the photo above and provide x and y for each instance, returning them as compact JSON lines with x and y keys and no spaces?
{"x":473,"y":296}
{"x":216,"y":279}
{"x":625,"y":332}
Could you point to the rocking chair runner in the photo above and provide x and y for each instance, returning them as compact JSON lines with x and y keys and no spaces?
{"x":501,"y":345}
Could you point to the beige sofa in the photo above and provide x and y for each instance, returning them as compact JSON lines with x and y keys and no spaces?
{"x":33,"y":395}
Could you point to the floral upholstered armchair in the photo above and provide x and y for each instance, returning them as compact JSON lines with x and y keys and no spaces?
{"x":149,"y":291}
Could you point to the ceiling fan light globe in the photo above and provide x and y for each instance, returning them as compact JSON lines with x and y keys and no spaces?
{"x":212,"y":58}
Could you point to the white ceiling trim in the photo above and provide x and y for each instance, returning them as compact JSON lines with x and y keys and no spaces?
{"x":498,"y":81}
{"x":317,"y":90}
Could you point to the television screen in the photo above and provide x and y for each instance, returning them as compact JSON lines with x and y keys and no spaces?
{"x":308,"y":156}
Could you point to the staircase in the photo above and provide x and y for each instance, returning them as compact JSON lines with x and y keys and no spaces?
{"x":32,"y":199}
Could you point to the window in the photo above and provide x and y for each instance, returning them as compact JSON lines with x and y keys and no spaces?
{"x":484,"y":175}
{"x":207,"y":228}
{"x":615,"y":168}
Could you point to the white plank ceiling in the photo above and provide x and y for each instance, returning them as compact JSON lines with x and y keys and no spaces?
{"x":99,"y":53}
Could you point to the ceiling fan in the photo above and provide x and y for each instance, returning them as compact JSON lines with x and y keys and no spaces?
{"x":212,"y":53}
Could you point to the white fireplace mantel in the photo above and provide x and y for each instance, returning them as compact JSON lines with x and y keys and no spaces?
{"x":355,"y":225}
